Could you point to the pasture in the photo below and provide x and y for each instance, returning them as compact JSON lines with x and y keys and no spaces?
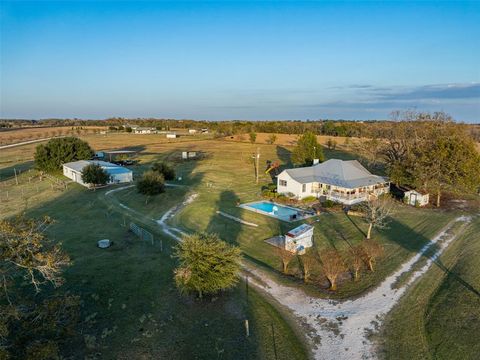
{"x":129,"y":286}
{"x":440,"y":314}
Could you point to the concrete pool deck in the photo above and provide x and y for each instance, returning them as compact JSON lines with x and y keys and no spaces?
{"x":299,"y":213}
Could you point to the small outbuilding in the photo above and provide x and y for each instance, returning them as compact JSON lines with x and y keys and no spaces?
{"x":299,"y":239}
{"x":172,"y":136}
{"x":416,"y":197}
{"x":189,"y":154}
{"x":118,"y":174}
{"x":410,"y":196}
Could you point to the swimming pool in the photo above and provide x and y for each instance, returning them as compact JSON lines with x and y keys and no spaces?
{"x":282,"y":212}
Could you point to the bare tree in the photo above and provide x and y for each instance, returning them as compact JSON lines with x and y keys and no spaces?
{"x":332,"y":266}
{"x":285,"y":256}
{"x":376,"y":212}
{"x":26,"y":249}
{"x":307,"y":262}
{"x":371,"y":250}
{"x":355,"y":260}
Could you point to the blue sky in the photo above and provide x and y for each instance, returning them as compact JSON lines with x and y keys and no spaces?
{"x":239,"y":60}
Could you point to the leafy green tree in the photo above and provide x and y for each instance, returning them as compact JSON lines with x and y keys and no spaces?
{"x":253,"y":137}
{"x":271,"y":139}
{"x":307,"y":149}
{"x":448,"y":163}
{"x":331,"y":144}
{"x":432,"y":152}
{"x":164,"y":169}
{"x":128,"y":129}
{"x":207,"y":264}
{"x":52,"y":155}
{"x":94,"y":174}
{"x":151,"y":183}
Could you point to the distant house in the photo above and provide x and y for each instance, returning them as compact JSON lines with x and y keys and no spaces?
{"x":414,"y":197}
{"x":192,"y":131}
{"x":346,"y":182}
{"x":118,"y":174}
{"x":204,"y":131}
{"x":144,"y":130}
{"x":172,"y":136}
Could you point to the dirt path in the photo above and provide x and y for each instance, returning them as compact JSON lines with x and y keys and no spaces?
{"x":27,"y":142}
{"x":339,"y":329}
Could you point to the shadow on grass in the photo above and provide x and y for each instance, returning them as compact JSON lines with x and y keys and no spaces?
{"x":8,"y":173}
{"x":414,"y":242}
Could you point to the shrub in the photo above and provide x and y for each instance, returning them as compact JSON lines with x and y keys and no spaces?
{"x":328,"y":204}
{"x":151,"y":183}
{"x":95,"y":175}
{"x":309,"y":199}
{"x":164,"y":169}
{"x":52,"y":155}
{"x":207,"y":264}
{"x":272,"y":187}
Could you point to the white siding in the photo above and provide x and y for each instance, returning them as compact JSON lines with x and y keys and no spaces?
{"x":293,"y":186}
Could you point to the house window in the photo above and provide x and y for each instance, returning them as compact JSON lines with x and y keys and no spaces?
{"x":283,"y":182}
{"x":304,"y":187}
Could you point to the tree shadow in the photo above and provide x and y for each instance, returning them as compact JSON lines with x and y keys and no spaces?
{"x":284,"y":155}
{"x":228,"y":229}
{"x":414,"y":242}
{"x":8,"y":173}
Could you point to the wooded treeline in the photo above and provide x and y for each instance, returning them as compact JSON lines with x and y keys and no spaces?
{"x":349,"y":128}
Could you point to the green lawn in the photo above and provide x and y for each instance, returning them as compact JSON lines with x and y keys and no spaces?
{"x":130,"y":286}
{"x":130,"y":305}
{"x":439,"y":317}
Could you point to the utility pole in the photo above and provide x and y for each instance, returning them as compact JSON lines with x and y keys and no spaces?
{"x":257,"y":164}
{"x":256,"y":160}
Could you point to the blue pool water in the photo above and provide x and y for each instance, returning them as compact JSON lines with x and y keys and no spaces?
{"x":275,"y":210}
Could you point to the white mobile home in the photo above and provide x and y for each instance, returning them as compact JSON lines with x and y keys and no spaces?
{"x":118,"y":174}
{"x":346,"y":182}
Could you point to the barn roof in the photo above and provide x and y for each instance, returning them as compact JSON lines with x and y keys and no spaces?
{"x":344,"y":173}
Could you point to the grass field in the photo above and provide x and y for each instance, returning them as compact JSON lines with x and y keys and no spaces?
{"x":130,"y":286}
{"x":131,"y":307}
{"x":12,"y":136}
{"x":439,"y":317}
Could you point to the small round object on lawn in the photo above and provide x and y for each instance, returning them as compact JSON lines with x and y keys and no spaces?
{"x":105,"y":243}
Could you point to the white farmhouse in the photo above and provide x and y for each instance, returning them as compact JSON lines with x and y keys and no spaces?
{"x":118,"y":174}
{"x":346,"y":182}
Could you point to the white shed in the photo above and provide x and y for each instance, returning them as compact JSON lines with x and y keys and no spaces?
{"x":171,"y":136}
{"x":299,"y":239}
{"x":416,"y":198}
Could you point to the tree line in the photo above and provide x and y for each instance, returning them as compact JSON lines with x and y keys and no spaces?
{"x":348,"y":128}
